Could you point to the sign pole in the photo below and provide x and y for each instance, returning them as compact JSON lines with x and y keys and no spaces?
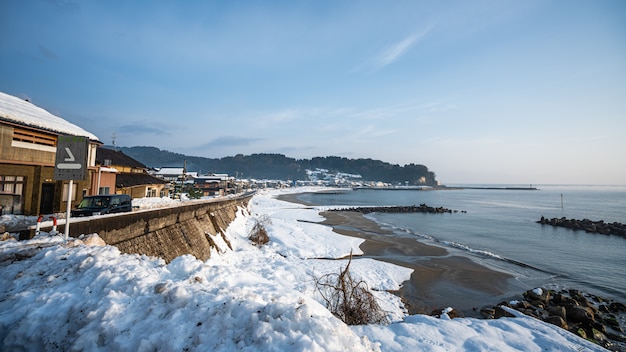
{"x":68,"y":209}
{"x":71,"y":164}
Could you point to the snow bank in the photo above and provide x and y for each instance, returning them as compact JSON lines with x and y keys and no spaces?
{"x":154,"y":202}
{"x":60,"y":295}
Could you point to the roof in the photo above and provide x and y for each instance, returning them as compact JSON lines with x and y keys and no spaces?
{"x":117,"y":158}
{"x":169,"y":171}
{"x":131,"y":179}
{"x":24,"y":113}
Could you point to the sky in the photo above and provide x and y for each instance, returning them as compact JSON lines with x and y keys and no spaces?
{"x":518,"y":92}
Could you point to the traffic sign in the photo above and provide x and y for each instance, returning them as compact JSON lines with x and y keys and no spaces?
{"x":71,"y":158}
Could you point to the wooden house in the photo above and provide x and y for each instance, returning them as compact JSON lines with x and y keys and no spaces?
{"x":28,"y":141}
{"x":121,"y":174}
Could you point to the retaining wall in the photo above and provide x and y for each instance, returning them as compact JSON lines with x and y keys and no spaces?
{"x":166,"y":233}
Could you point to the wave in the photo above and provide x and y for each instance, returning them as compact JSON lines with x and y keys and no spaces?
{"x":460,"y":246}
{"x":470,"y":249}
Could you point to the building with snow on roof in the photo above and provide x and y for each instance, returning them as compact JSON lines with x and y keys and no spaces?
{"x":118,"y":173}
{"x":28,"y":143}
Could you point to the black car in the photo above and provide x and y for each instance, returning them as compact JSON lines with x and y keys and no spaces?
{"x":103,"y":204}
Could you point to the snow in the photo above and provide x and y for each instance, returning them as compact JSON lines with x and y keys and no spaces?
{"x":538,"y":291}
{"x":25,"y":113}
{"x":154,"y":202}
{"x":73,"y":295}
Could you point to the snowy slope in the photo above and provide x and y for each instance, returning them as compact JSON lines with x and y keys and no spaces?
{"x":19,"y":111}
{"x":59,"y":296}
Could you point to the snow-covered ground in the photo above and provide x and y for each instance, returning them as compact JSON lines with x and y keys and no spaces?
{"x":81,"y":296}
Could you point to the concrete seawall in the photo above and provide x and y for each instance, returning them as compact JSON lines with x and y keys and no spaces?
{"x":166,"y":233}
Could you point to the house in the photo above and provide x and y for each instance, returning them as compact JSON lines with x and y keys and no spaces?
{"x":28,"y":141}
{"x":170,"y":174}
{"x":121,"y":174}
{"x":213,"y":184}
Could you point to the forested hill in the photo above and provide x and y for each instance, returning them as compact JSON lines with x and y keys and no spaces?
{"x":278,"y":166}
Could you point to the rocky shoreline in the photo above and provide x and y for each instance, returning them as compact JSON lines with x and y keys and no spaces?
{"x":589,"y":316}
{"x":601,"y":227}
{"x":422,"y":208}
{"x":592,"y":317}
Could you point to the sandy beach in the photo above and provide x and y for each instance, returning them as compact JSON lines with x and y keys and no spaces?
{"x":439,"y":279}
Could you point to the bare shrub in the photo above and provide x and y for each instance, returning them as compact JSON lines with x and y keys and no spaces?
{"x":348,"y":299}
{"x":258,"y":234}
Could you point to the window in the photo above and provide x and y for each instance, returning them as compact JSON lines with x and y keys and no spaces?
{"x":104,"y":190}
{"x":12,"y":184}
{"x":11,"y":193}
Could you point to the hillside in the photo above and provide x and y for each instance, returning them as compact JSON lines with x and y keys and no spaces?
{"x":281,"y":167}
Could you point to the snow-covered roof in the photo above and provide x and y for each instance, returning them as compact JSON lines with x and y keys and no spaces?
{"x":169,"y":171}
{"x":22,"y":112}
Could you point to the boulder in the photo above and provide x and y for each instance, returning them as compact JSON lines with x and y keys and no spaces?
{"x":580,"y":314}
{"x":488,"y":312}
{"x":558,"y":321}
{"x":537,"y":295}
{"x":500,"y":312}
{"x":617,"y":307}
{"x":558,"y":311}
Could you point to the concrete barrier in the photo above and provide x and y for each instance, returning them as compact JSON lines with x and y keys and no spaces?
{"x":167,"y":232}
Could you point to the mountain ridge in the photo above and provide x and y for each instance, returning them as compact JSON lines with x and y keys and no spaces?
{"x":281,"y":167}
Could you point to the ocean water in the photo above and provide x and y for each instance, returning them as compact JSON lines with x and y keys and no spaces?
{"x":500,"y":230}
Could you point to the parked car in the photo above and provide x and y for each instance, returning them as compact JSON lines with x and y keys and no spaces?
{"x":103,"y":204}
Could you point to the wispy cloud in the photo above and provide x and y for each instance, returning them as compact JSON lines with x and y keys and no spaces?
{"x":142,"y":128}
{"x":230,"y":141}
{"x":395,"y":51}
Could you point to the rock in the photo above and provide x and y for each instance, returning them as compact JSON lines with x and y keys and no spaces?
{"x":7,"y":237}
{"x":617,"y":307}
{"x":93,"y":240}
{"x":446,"y":313}
{"x":488,"y":312}
{"x":542,"y":314}
{"x":581,"y":332}
{"x":598,"y":336}
{"x":537,"y":294}
{"x":558,"y":298}
{"x":580,"y":314}
{"x":499,"y":312}
{"x":613,"y":323}
{"x":558,"y":321}
{"x":558,"y":311}
{"x":160,"y":287}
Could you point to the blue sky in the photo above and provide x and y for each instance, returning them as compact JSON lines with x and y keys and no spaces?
{"x":478,"y":91}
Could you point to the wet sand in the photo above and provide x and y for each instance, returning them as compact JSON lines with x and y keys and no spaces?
{"x":439,"y":279}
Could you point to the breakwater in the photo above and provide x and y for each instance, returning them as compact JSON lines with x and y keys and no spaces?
{"x":601,"y":227}
{"x":422,"y":208}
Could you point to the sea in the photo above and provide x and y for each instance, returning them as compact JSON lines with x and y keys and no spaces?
{"x":496,"y":226}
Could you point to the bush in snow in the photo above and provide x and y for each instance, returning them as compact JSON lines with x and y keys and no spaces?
{"x":348,"y":299}
{"x":258,"y":234}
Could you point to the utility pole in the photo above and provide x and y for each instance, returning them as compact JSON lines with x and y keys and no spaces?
{"x":113,"y":138}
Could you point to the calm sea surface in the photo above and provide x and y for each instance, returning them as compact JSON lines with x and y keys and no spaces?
{"x":500,"y":230}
